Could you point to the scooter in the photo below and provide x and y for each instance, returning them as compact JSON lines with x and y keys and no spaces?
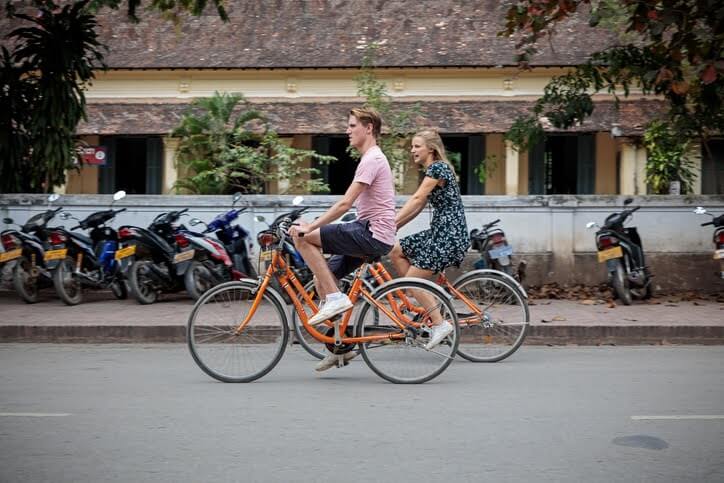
{"x":718,"y":239}
{"x":26,"y":247}
{"x":234,"y":237}
{"x":495,"y":251}
{"x":86,"y":262}
{"x":620,"y":248}
{"x":147,"y":256}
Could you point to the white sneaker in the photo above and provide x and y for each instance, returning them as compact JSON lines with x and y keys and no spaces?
{"x":335,"y":360}
{"x":330,"y":309}
{"x":438,"y":334}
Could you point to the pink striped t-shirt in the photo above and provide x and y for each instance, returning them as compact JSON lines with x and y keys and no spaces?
{"x":377,"y":202}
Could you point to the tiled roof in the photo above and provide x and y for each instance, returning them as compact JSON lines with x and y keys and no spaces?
{"x":333,"y":33}
{"x":472,"y":116}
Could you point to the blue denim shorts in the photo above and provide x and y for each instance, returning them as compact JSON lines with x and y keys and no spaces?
{"x":350,"y":243}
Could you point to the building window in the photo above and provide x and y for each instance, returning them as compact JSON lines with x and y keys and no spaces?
{"x":712,"y":167}
{"x":562,"y":164}
{"x":339,"y":175}
{"x":133,"y":164}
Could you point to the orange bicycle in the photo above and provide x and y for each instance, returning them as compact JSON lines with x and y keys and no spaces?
{"x":491,"y":306}
{"x":238,"y":331}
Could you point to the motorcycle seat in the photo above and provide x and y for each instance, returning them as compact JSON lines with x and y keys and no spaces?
{"x":81,"y":238}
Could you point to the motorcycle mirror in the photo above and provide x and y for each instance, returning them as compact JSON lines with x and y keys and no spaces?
{"x":195,"y":221}
{"x":8,"y":221}
{"x":591,"y":224}
{"x":700,"y":210}
{"x":297,"y":200}
{"x":64,"y":216}
{"x":237,"y":197}
{"x":628,"y":201}
{"x":259,"y":218}
{"x":53,"y":197}
{"x":119,"y":195}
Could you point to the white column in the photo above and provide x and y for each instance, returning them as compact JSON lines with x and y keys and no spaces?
{"x":694,"y":155}
{"x":512,"y":169}
{"x":641,"y":157}
{"x":170,"y":173}
{"x":627,"y":172}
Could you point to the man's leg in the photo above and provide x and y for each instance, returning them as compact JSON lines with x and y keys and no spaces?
{"x":310,"y":246}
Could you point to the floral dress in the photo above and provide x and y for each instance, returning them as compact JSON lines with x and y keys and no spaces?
{"x":447,"y":240}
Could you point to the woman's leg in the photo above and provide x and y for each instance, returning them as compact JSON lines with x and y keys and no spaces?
{"x":426,"y":300}
{"x":399,"y":261}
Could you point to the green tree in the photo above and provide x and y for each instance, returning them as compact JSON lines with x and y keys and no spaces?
{"x":42,"y":83}
{"x":42,"y":96}
{"x":670,"y":48}
{"x":666,"y":160}
{"x":226,"y":149}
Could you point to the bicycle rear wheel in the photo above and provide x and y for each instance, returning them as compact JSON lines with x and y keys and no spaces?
{"x":222,"y":353}
{"x":407,"y":361}
{"x":503,"y":322}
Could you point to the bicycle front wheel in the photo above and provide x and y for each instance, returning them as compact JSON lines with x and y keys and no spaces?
{"x":403,"y":358}
{"x":493,"y":316}
{"x":212,"y":336}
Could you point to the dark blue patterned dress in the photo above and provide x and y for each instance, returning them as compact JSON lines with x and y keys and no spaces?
{"x":447,"y":240}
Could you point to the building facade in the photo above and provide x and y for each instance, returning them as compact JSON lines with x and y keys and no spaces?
{"x":296,"y":61}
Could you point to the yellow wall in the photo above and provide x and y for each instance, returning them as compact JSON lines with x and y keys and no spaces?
{"x":85,"y":180}
{"x":495,"y":146}
{"x":606,"y":150}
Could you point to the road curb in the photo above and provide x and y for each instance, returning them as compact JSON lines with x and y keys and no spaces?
{"x":538,"y":335}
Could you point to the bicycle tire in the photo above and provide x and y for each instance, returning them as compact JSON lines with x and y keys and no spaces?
{"x":491,"y":339}
{"x":406,"y":361}
{"x":229,"y":299}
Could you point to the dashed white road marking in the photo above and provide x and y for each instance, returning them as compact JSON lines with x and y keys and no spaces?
{"x":35,"y":415}
{"x":682,"y":416}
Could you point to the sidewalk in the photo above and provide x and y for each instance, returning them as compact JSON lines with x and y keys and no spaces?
{"x":101,"y":318}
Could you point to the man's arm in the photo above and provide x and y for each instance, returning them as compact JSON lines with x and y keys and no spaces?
{"x":339,"y":208}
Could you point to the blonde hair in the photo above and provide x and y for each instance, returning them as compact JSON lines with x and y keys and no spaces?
{"x":434,"y":143}
{"x":367,"y":116}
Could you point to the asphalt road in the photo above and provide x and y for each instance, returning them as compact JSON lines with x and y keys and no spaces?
{"x":147,"y":413}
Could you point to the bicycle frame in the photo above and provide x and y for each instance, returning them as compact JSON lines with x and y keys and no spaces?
{"x":290,"y":283}
{"x":381,"y":275}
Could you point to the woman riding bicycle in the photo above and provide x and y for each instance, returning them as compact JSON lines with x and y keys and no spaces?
{"x":444,"y":244}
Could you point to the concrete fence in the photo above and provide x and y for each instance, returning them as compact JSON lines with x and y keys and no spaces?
{"x":548,"y":231}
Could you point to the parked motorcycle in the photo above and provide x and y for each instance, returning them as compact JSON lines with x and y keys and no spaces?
{"x":80,"y":261}
{"x":718,"y":239}
{"x":495,"y":251}
{"x":234,"y":237}
{"x":621,"y":249}
{"x":203,"y":260}
{"x":26,"y":247}
{"x":147,"y":256}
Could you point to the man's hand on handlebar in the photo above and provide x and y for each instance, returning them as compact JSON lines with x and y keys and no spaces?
{"x":299,"y":229}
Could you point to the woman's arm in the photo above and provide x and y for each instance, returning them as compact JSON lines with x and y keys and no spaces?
{"x":416,"y":202}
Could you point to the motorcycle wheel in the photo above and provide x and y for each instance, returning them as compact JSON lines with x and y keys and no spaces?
{"x":140,"y":284}
{"x":119,"y":289}
{"x":620,"y":284}
{"x":198,"y":279}
{"x":67,"y":285}
{"x":25,"y":284}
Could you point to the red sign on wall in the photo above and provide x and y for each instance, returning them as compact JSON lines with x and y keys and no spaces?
{"x":94,"y":155}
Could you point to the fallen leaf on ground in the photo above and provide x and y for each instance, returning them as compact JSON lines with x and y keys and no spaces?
{"x":631,"y":320}
{"x":611,"y":305}
{"x":588,"y":302}
{"x":558,"y":318}
{"x":672,"y":305}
